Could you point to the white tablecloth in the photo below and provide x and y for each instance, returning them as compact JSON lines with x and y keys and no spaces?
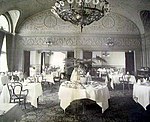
{"x":115,"y":79}
{"x":3,"y":80}
{"x":101,"y":71}
{"x":35,"y":91}
{"x":4,"y":95}
{"x":98,"y":94}
{"x":141,"y":94}
{"x":5,"y":107}
{"x":49,"y":78}
{"x":10,"y":112}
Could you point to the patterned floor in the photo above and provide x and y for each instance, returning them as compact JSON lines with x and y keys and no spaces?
{"x":121,"y":107}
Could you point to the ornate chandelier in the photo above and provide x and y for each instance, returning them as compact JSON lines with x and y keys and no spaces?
{"x":80,"y":12}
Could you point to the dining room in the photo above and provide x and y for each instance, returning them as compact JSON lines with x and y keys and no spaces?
{"x":74,"y":60}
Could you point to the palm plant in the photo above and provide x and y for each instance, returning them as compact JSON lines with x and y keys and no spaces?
{"x":76,"y":62}
{"x":82,"y":64}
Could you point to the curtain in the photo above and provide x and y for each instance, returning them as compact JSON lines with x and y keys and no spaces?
{"x":129,"y":56}
{"x":42,"y":61}
{"x":9,"y":51}
{"x":26,"y":63}
{"x":1,"y":40}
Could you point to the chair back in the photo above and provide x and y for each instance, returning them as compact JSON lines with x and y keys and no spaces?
{"x":126,"y":77}
{"x":15,"y":89}
{"x":15,"y":78}
{"x":19,"y":92}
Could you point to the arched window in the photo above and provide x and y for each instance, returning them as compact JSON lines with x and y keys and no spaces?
{"x":8,"y":22}
{"x":4,"y":26}
{"x":3,"y":57}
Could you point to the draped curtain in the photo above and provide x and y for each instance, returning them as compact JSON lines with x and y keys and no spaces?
{"x":42,"y":61}
{"x":26,"y":63}
{"x":1,"y":40}
{"x":130,"y":62}
{"x":9,"y":50}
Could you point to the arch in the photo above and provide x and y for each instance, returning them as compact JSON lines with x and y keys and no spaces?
{"x":145,"y":17}
{"x":12,"y":18}
{"x":132,"y":15}
{"x":47,"y":22}
{"x":14,"y":14}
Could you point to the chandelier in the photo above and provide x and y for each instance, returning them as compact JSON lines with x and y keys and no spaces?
{"x":80,"y":12}
{"x":105,"y":54}
{"x":110,"y":44}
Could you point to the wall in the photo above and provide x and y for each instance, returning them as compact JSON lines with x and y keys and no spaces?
{"x":146,"y":49}
{"x":116,"y":59}
{"x":145,"y":15}
{"x":43,"y":27}
{"x":57,"y":60}
{"x":35,"y":60}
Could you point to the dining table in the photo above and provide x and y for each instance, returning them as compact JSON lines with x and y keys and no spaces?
{"x":3,"y":80}
{"x":70,"y":91}
{"x":10,"y":112}
{"x":115,"y":79}
{"x":4,"y":95}
{"x":35,"y":91}
{"x":49,"y":78}
{"x":141,"y":93}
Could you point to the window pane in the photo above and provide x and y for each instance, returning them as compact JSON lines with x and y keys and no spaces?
{"x":3,"y":58}
{"x":4,"y":23}
{"x":4,"y":45}
{"x":3,"y":63}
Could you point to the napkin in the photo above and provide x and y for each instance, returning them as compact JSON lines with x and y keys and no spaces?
{"x":26,"y":81}
{"x":138,"y":81}
{"x":144,"y":80}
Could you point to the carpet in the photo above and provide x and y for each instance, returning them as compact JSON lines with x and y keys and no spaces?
{"x":122,"y":108}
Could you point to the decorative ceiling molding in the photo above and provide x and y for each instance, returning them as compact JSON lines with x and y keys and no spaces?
{"x":127,"y":8}
{"x":45,"y":22}
{"x":72,"y":42}
{"x":43,"y":2}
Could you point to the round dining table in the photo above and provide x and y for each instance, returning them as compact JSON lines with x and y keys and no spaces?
{"x":70,"y":91}
{"x":141,"y":93}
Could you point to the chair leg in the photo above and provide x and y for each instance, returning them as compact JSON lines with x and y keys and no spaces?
{"x":25,"y":103}
{"x":128,"y":86}
{"x":38,"y":100}
{"x":123,"y":87}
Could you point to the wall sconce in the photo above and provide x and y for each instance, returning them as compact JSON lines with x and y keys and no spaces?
{"x":49,"y":43}
{"x":110,"y":43}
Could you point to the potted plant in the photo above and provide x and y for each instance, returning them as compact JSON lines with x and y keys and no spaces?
{"x":81,"y":67}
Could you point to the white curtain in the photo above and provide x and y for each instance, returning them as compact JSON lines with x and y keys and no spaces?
{"x":3,"y":58}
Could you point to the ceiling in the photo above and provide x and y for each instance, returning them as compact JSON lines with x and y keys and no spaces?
{"x":128,"y":8}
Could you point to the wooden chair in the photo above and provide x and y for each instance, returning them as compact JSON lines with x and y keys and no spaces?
{"x":124,"y":80}
{"x":17,"y":94}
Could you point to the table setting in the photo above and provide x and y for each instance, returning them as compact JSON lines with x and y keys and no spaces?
{"x":96,"y":91}
{"x":34,"y":89}
{"x":141,"y":92}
